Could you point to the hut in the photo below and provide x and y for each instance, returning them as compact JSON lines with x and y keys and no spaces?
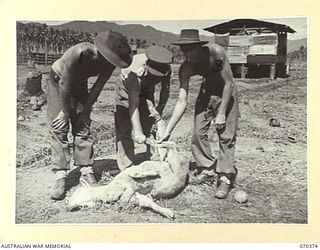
{"x":255,"y":48}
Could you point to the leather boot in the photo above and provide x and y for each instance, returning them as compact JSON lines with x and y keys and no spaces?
{"x":87,"y":176}
{"x":224,"y":185}
{"x":59,"y":189}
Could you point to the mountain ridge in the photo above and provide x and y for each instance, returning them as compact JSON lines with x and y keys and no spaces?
{"x":132,"y":31}
{"x":148,"y":33}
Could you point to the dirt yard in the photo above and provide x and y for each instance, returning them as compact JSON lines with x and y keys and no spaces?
{"x":272,"y":161}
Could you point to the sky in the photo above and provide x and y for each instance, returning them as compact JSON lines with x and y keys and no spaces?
{"x":299,"y":24}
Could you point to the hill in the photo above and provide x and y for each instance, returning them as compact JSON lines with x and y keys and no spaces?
{"x":138,"y":31}
{"x":134,"y":31}
{"x":294,"y":45}
{"x":150,"y":34}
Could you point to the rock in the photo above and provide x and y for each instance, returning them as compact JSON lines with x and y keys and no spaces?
{"x":291,"y":139}
{"x":38,"y":100}
{"x":274,"y":122}
{"x":20,"y":118}
{"x":241,"y":196}
{"x":33,"y":100}
{"x":41,"y":102}
{"x":36,"y":107}
{"x":260,"y":148}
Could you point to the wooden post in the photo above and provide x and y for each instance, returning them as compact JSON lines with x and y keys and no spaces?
{"x":243,"y":71}
{"x":272,"y":71}
{"x":288,"y":69}
{"x":46,"y":53}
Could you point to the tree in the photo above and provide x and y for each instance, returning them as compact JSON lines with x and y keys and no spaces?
{"x":138,"y":43}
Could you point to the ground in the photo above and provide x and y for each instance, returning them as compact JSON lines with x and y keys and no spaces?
{"x":272,"y":161}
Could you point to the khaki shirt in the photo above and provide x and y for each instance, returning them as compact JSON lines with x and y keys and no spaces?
{"x":134,"y":77}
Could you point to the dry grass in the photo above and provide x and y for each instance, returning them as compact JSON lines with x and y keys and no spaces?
{"x":272,"y":168}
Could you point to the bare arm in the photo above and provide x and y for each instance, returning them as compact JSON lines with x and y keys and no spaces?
{"x":227,"y":92}
{"x":226,"y":75}
{"x":181,"y":104}
{"x":95,"y":92}
{"x":134,"y":100}
{"x":65,"y":86}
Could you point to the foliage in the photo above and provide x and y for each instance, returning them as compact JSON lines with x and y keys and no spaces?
{"x":298,"y":55}
{"x":40,"y":38}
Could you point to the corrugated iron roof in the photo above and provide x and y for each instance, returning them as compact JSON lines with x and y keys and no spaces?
{"x":248,"y":23}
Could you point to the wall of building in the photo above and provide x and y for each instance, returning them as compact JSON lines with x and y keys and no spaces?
{"x":258,"y":52}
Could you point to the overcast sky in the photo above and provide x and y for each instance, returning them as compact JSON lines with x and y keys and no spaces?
{"x":299,"y":24}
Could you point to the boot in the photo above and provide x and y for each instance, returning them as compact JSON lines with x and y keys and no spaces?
{"x":204,"y":176}
{"x":59,"y":190}
{"x":224,"y":185}
{"x":200,"y":175}
{"x":87,"y":176}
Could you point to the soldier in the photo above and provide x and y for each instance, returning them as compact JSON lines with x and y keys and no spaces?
{"x":216,"y":101}
{"x":70,"y":102}
{"x":134,"y":92}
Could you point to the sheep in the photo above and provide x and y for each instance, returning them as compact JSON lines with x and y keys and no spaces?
{"x":139,"y":184}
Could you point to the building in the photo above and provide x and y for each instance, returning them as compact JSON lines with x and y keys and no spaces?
{"x":255,"y":48}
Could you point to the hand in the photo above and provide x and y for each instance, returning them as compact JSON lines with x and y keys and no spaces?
{"x":150,"y":140}
{"x":161,"y":128}
{"x":84,"y":118}
{"x":83,"y":125}
{"x":165,"y":137}
{"x":61,"y":122}
{"x":153,"y":129}
{"x":139,"y":138}
{"x":158,"y":127}
{"x":220,"y":122}
{"x":157,"y":117}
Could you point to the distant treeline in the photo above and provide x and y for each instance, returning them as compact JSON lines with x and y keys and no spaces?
{"x":41,"y":38}
{"x":298,"y":55}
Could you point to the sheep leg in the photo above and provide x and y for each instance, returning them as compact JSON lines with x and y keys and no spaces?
{"x":126,"y":195}
{"x":144,"y":201}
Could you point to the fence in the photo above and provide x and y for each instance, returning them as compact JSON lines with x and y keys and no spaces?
{"x":39,"y":58}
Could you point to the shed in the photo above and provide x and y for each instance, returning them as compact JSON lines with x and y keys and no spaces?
{"x":255,"y":48}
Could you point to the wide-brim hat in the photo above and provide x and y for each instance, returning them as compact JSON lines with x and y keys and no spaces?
{"x":189,"y":36}
{"x":159,"y":59}
{"x":115,"y":48}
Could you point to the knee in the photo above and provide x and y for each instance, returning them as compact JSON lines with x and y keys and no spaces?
{"x":229,"y":140}
{"x":199,"y":136}
{"x":58,"y":135}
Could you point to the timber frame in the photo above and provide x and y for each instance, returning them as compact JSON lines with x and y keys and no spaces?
{"x":255,"y":48}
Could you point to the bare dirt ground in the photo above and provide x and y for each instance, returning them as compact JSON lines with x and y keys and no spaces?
{"x":272,"y":161}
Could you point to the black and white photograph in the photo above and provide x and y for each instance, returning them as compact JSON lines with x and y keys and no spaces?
{"x":162,"y":121}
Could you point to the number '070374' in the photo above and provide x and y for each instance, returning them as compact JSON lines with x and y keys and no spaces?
{"x":308,"y":246}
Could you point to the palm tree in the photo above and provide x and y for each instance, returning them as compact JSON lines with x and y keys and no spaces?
{"x":144,"y":43}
